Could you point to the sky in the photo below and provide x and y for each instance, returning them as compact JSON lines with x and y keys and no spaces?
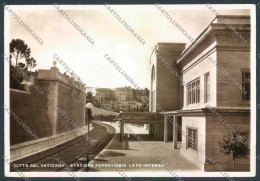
{"x":110,"y":37}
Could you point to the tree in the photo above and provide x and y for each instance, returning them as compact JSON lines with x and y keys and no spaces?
{"x":22,"y":65}
{"x":19,"y":50}
{"x":89,"y":97}
{"x":31,"y":62}
{"x":232,"y":144}
{"x":146,"y":92}
{"x":92,"y":99}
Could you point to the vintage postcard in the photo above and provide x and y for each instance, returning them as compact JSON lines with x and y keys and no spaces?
{"x":130,"y":90}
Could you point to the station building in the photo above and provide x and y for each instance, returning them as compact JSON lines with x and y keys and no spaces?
{"x":204,"y":90}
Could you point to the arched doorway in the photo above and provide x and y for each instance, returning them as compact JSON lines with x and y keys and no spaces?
{"x":153,"y":97}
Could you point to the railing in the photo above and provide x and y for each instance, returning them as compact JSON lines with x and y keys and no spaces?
{"x":140,"y":117}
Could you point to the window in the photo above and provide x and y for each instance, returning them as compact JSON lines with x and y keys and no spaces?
{"x":153,"y":75}
{"x":193,"y":89}
{"x":246,"y":85}
{"x":207,"y":87}
{"x":192,"y":138}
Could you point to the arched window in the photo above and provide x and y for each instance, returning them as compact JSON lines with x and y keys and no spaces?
{"x":153,"y":108}
{"x":153,"y":74}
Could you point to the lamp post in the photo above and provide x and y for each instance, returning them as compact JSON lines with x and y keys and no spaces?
{"x":120,"y":123}
{"x":89,"y":106}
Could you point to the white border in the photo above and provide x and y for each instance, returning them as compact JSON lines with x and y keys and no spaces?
{"x":252,"y":172}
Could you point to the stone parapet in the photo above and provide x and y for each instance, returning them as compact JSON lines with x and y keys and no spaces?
{"x":22,"y":150}
{"x":54,"y":75}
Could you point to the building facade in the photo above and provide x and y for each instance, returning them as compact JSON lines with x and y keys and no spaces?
{"x":121,"y":99}
{"x":119,"y":94}
{"x":124,"y":94}
{"x":104,"y":95}
{"x":204,"y":90}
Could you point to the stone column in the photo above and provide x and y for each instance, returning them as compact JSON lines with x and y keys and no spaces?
{"x":174,"y":132}
{"x":165,"y":129}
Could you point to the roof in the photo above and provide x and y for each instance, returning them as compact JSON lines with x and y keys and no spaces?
{"x":224,"y":20}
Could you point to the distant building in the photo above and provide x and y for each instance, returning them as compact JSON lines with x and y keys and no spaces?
{"x":124,"y":94}
{"x":104,"y":95}
{"x":121,"y":99}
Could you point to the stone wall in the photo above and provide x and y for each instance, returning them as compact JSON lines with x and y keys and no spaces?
{"x":233,"y":62}
{"x":73,"y":106}
{"x":210,"y":132}
{"x":53,"y":116}
{"x":215,"y":131}
{"x":98,"y":111}
{"x":198,"y":123}
{"x":31,"y":108}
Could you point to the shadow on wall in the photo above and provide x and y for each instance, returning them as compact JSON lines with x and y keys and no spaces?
{"x":31,"y":108}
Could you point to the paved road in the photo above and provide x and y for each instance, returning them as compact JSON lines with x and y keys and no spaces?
{"x":70,"y":155}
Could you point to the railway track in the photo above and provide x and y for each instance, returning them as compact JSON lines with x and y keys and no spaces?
{"x":71,"y":152}
{"x":93,"y":151}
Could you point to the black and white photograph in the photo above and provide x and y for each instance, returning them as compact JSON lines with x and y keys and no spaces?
{"x":109,"y":90}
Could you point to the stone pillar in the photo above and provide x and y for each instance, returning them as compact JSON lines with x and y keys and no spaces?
{"x":162,"y":128}
{"x":121,"y":130}
{"x":165,"y":129}
{"x":174,"y":132}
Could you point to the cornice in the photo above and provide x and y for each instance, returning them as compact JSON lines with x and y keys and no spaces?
{"x":208,"y":40}
{"x":232,"y":48}
{"x":214,"y":31}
